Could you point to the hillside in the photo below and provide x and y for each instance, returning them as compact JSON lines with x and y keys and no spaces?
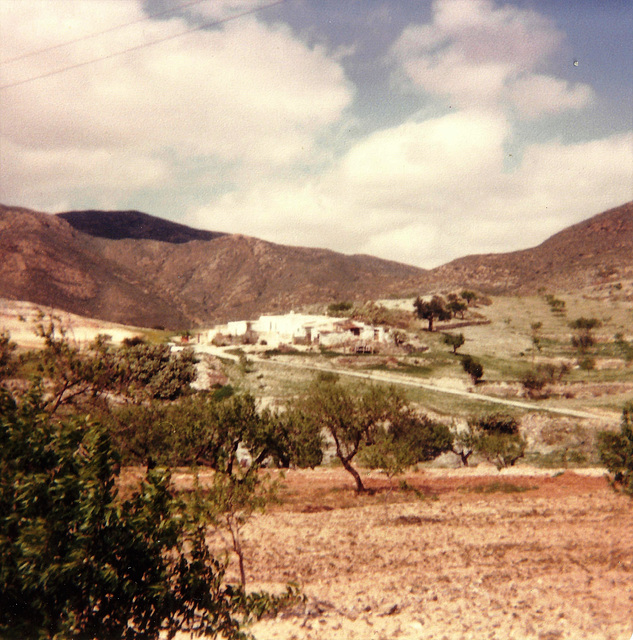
{"x":134,"y":268}
{"x":118,"y":225}
{"x":587,"y":254}
{"x":158,"y":273}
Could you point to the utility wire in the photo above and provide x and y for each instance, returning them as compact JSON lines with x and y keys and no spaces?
{"x":142,"y":46}
{"x":96,"y":34}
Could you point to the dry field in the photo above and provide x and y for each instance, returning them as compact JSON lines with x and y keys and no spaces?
{"x":461,"y":554}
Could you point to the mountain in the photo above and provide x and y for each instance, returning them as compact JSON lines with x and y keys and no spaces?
{"x":157,"y":273}
{"x":118,"y":225}
{"x":132,"y":268}
{"x":586,"y":254}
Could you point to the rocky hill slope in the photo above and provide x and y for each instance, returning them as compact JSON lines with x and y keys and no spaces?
{"x":587,"y":254}
{"x":133,"y":268}
{"x":158,"y":273}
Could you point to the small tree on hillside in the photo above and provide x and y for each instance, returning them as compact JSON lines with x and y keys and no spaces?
{"x":456,"y":306}
{"x":473,"y":368}
{"x":454,"y":340}
{"x":469,"y":296}
{"x":433,"y":309}
{"x":584,"y":339}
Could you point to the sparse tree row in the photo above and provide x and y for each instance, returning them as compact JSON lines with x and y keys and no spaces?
{"x":79,"y":560}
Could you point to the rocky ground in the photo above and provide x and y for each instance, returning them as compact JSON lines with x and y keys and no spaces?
{"x":460,"y":554}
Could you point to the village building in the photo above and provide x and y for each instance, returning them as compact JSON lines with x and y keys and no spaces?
{"x":303,"y":329}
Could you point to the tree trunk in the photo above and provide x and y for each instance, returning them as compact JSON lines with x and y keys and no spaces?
{"x":360,"y":487}
{"x":237,"y":547}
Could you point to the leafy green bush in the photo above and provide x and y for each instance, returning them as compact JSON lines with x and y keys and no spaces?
{"x":616,"y":451}
{"x":75,"y":561}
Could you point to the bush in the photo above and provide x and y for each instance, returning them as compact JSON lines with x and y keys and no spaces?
{"x":77,"y":562}
{"x":496,"y":436}
{"x":616,"y":452}
{"x":473,"y":368}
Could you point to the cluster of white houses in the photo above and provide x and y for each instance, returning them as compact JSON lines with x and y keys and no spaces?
{"x":303,"y":329}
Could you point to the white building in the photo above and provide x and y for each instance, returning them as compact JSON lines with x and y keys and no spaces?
{"x":298,"y":328}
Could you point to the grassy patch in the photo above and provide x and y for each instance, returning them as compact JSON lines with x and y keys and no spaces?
{"x":499,"y":487}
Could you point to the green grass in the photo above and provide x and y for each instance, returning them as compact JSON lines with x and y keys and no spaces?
{"x":500,"y":487}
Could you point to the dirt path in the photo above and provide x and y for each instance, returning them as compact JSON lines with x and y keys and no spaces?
{"x":392,"y":378}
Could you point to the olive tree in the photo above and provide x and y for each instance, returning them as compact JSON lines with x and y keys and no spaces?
{"x":432,"y":309}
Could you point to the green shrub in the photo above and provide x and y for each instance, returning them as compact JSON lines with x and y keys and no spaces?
{"x":75,"y":561}
{"x":616,"y":451}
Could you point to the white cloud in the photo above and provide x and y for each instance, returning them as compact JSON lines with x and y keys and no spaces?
{"x":425,"y":193}
{"x":540,"y":94}
{"x":476,"y":53}
{"x":247,"y":95}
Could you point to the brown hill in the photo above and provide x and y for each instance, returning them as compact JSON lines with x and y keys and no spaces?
{"x":584,"y":255}
{"x":118,"y":225}
{"x":133,"y":268}
{"x":176,"y":283}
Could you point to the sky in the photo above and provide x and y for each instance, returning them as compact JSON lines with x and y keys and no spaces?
{"x":416,"y":131}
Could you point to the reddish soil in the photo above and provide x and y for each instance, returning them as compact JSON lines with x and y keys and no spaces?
{"x":457,"y":556}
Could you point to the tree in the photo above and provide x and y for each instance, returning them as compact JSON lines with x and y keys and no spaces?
{"x":454,"y":340}
{"x":584,"y":338}
{"x":473,"y":368}
{"x":406,"y":440}
{"x":136,"y":371}
{"x":431,"y":309}
{"x":236,"y":439}
{"x":496,"y":436}
{"x":469,"y":296}
{"x":535,"y":380}
{"x":625,"y":347}
{"x":77,"y":561}
{"x":616,"y":452}
{"x":456,"y":306}
{"x":351,"y":420}
{"x":536,"y":336}
{"x":464,"y":444}
{"x":7,"y":355}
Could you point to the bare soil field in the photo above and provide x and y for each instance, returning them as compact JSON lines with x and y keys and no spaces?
{"x":459,"y":554}
{"x":20,"y":318}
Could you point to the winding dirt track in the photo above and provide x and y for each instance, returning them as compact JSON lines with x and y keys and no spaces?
{"x":414,"y":382}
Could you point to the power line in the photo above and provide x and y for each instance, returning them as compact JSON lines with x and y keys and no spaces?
{"x":100,"y":33}
{"x":142,"y":46}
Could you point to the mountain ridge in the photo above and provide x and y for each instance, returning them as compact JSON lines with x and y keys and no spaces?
{"x":154,"y":272}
